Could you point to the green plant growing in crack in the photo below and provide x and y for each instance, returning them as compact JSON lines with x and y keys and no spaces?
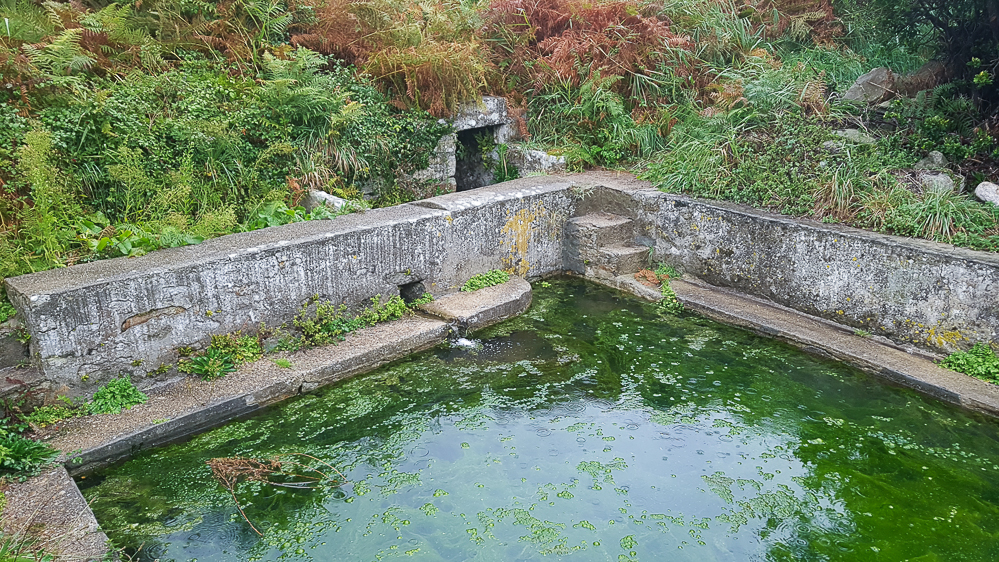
{"x":669,"y":303}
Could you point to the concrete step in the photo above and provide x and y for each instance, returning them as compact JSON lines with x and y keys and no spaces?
{"x":621,"y":259}
{"x":601,"y":229}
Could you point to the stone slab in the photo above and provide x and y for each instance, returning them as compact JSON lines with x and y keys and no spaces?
{"x":482,"y":308}
{"x":51,"y":510}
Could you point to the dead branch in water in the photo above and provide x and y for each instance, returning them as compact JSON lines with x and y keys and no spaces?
{"x":230,"y":471}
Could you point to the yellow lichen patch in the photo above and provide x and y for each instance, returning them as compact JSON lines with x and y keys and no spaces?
{"x":943,"y":338}
{"x":517,"y":234}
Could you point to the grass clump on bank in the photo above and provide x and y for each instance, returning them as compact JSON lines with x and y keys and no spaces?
{"x":487,"y":279}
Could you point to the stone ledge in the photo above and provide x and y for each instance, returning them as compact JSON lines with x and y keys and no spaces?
{"x":193,"y":406}
{"x":485,"y":307}
{"x":825,"y":338}
{"x":51,"y":509}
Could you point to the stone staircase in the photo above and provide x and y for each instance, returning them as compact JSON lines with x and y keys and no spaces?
{"x":602,"y":246}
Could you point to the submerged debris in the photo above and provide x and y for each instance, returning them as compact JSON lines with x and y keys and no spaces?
{"x":230,"y":471}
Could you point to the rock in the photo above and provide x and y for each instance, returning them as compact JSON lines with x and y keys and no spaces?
{"x":320,"y":198}
{"x":935,"y":161}
{"x":855,"y":136}
{"x":876,"y":86}
{"x":530,"y":162}
{"x":834,"y":146}
{"x":988,"y":192}
{"x":936,"y":181}
{"x":929,"y":76}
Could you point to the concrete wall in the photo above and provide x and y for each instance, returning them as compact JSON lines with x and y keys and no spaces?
{"x":93,"y":321}
{"x":96,"y":320}
{"x":918,"y":293}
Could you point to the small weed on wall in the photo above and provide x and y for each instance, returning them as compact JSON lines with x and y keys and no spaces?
{"x":483,"y":280}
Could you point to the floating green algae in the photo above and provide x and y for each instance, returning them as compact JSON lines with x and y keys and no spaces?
{"x":591,"y":428}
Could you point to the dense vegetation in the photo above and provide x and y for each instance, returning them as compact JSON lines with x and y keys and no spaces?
{"x":129,"y":127}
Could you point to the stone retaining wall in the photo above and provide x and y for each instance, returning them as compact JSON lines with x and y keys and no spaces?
{"x":93,"y":321}
{"x":921,"y":294}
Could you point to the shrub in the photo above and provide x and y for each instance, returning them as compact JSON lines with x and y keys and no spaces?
{"x":483,"y":280}
{"x":117,"y":395}
{"x":47,"y":415}
{"x":223,"y":356}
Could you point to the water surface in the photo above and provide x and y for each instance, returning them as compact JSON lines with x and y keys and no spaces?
{"x":591,"y":428}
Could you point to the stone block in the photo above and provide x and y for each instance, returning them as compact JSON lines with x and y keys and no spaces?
{"x":482,"y":308}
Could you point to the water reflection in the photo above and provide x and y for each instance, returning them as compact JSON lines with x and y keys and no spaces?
{"x":590,"y":428}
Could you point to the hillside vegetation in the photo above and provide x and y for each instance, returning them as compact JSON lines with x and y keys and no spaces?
{"x":130,"y":127}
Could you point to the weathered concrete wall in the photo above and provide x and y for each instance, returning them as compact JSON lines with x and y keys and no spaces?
{"x":929,"y":295}
{"x":93,"y":321}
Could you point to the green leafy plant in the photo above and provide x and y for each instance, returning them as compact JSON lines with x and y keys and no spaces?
{"x":117,"y":395}
{"x":483,"y":280}
{"x":211,"y":365}
{"x":22,"y":456}
{"x":670,"y":302}
{"x":980,"y":361}
{"x":43,"y":416}
{"x":329,"y":323}
{"x":7,"y":310}
{"x":223,"y":356}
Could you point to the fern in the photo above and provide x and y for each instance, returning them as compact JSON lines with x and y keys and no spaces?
{"x":63,"y":56}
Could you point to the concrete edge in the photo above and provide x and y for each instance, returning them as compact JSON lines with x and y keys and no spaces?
{"x":817,"y":336}
{"x":51,"y":510}
{"x":490,"y":306}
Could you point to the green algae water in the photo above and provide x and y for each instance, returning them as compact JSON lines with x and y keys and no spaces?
{"x":591,"y":428}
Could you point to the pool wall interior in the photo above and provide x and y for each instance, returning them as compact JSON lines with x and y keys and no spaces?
{"x":93,"y":321}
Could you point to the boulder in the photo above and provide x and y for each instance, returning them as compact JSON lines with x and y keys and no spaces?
{"x":529,"y":161}
{"x":929,"y":76}
{"x":876,"y":86}
{"x":934,"y":161}
{"x":988,"y":192}
{"x":936,"y":181}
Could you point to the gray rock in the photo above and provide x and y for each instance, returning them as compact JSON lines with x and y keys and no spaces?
{"x":988,"y":192}
{"x":834,"y":146}
{"x":855,"y":136}
{"x":876,"y":86}
{"x":936,"y":181}
{"x":320,"y":198}
{"x":534,"y":161}
{"x":443,"y":162}
{"x":935,"y":161}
